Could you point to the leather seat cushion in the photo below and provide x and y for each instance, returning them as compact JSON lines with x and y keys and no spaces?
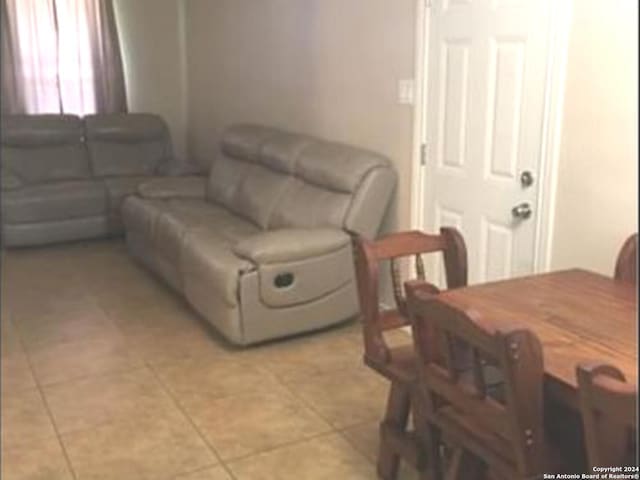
{"x":139,"y":215}
{"x":208,"y":262}
{"x":182,"y":216}
{"x":202,"y":214}
{"x":55,"y":201}
{"x":197,"y":236}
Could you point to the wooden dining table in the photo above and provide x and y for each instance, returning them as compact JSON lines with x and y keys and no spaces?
{"x":579,"y":316}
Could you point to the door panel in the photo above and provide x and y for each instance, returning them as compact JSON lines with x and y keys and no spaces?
{"x":487,"y":64}
{"x":506,"y":70}
{"x":453,"y":109}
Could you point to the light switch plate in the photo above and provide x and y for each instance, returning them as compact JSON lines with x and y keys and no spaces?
{"x":406,"y":91}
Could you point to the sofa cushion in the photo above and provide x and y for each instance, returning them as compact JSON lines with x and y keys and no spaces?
{"x":305,"y":205}
{"x":191,"y":186}
{"x":254,"y":169}
{"x":53,"y":231}
{"x":42,"y":148}
{"x":230,"y":228}
{"x":337,"y":167}
{"x":245,"y":141}
{"x":225,"y":177}
{"x":139,"y":215}
{"x":54,"y":201}
{"x":276,"y":149}
{"x":207,"y":261}
{"x":118,"y":188}
{"x":288,"y":245}
{"x":174,"y":221}
{"x":9,"y":180}
{"x":258,"y":194}
{"x":182,"y":216}
{"x":284,"y":180}
{"x":127,"y":144}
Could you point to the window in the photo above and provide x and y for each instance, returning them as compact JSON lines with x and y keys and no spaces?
{"x":65,"y":56}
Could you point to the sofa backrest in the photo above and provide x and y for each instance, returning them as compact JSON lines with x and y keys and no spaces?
{"x":42,"y":148}
{"x":279,"y":179}
{"x":127,"y":144}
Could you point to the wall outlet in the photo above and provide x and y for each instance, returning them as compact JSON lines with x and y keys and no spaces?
{"x":406,"y":91}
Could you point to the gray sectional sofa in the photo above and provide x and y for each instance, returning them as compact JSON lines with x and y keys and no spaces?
{"x":64,"y":178}
{"x":262,"y":248}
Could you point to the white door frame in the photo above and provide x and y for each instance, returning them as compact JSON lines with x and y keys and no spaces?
{"x":551,"y":128}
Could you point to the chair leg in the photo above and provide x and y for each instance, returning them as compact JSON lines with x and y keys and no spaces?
{"x":396,"y":417}
{"x":428,"y":438}
{"x":465,"y":466}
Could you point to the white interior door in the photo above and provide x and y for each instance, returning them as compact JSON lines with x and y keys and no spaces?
{"x":487,"y":69}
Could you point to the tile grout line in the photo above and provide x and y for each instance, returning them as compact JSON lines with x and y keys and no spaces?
{"x":47,"y":407}
{"x":189,"y":420}
{"x":224,"y":462}
{"x":153,"y":368}
{"x":342,"y":432}
{"x":305,"y":403}
{"x":89,"y":376}
{"x":334,"y":428}
{"x":282,"y":445}
{"x":203,"y":469}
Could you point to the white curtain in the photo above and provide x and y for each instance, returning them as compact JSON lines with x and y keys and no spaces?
{"x":65,"y":55}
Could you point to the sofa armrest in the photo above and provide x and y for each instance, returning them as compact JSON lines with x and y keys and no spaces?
{"x":172,"y":187}
{"x":291,"y":244}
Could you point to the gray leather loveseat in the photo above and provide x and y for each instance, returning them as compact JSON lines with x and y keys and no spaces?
{"x":262,"y":247}
{"x":64,"y":178}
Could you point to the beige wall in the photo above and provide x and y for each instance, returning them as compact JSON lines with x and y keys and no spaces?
{"x":330,"y":68}
{"x":324,"y":67}
{"x":598,"y":175}
{"x":152,"y":37}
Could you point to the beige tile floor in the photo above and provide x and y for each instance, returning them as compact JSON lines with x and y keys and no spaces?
{"x":107,"y":374}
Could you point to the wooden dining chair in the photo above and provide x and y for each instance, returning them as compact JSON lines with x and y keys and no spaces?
{"x":608,"y":407}
{"x":627,"y":262}
{"x":398,"y":364}
{"x":490,"y":437}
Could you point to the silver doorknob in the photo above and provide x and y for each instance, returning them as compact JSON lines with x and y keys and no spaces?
{"x":526,"y":179}
{"x":522,"y":211}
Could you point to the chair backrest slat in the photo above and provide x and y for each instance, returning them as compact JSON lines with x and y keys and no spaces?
{"x":608,"y":406}
{"x":487,"y":412}
{"x":396,"y":283}
{"x":405,"y":244}
{"x":479,"y":380}
{"x":515,"y":352}
{"x":420,"y":271}
{"x":393,"y":248}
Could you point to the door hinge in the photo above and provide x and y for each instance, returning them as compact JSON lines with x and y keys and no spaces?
{"x":423,"y":154}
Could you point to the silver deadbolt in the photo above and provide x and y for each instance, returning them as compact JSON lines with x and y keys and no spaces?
{"x":522,"y":211}
{"x":526,"y":179}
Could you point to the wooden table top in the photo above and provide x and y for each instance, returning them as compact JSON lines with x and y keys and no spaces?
{"x":578,"y":316}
